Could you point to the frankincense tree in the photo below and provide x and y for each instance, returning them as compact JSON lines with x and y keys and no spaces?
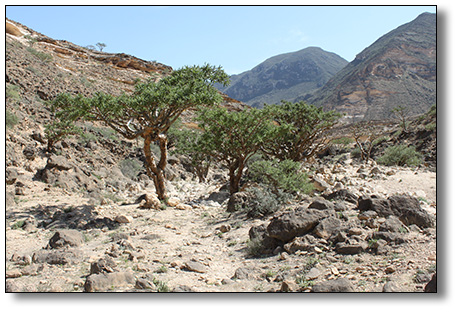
{"x":150,"y":111}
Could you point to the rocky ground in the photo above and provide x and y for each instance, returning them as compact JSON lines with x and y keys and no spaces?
{"x":58,"y":241}
{"x":73,"y":223}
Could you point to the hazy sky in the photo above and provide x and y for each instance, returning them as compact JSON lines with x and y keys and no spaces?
{"x":236,"y":37}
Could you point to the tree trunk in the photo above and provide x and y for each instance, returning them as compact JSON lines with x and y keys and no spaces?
{"x":235,"y":177}
{"x":156,"y":172}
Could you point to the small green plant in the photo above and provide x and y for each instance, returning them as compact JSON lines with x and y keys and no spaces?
{"x":255,"y":247}
{"x":12,"y":92}
{"x":161,"y":285}
{"x":162,"y":269}
{"x":285,"y":175}
{"x":45,"y":57}
{"x":303,"y":282}
{"x":430,"y":127}
{"x":400,"y":155}
{"x":10,"y":119}
{"x":263,"y":202}
{"x":310,"y":262}
{"x":18,"y":225}
{"x":130,"y":167}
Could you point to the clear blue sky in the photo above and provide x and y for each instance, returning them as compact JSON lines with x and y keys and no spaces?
{"x":236,"y":37}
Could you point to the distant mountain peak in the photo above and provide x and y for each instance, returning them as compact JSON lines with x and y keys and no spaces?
{"x":399,"y":68}
{"x":285,"y":76}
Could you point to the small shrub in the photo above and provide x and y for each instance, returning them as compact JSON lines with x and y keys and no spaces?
{"x":264,"y":202}
{"x":12,"y":92}
{"x":342,"y":141}
{"x":130,"y":168}
{"x":430,"y":127}
{"x":285,"y":175}
{"x":255,"y":247}
{"x":400,"y":155}
{"x":41,"y":55}
{"x":10,"y":119}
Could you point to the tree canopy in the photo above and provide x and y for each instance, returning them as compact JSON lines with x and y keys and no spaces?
{"x":150,"y":111}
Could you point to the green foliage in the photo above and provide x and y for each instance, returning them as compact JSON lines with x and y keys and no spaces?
{"x":299,"y":130}
{"x":10,"y":119}
{"x":401,"y":112}
{"x":41,"y":55}
{"x":233,"y":137}
{"x":130,"y":168}
{"x":60,"y":128}
{"x":400,"y":155}
{"x":150,"y":111}
{"x":101,"y":46}
{"x":432,"y":111}
{"x":283,"y":175}
{"x":12,"y":92}
{"x":255,"y":247}
{"x":342,"y":141}
{"x":263,"y":202}
{"x":189,"y":142}
{"x":430,"y":127}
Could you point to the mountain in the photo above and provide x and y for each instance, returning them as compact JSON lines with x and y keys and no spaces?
{"x":285,"y":76}
{"x":397,"y":69}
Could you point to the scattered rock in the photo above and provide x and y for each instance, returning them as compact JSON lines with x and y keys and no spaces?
{"x":243,"y":273}
{"x":103,"y":265}
{"x":391,"y":286}
{"x":431,"y":286}
{"x":123,"y":219}
{"x":195,"y":267}
{"x":144,"y":284}
{"x":108,"y":281}
{"x":225,"y":228}
{"x":288,"y":286}
{"x":337,"y":285}
{"x":66,"y":238}
{"x":297,"y":222}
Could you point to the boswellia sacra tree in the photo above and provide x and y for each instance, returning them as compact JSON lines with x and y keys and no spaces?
{"x":149,"y":112}
{"x":232,"y":137}
{"x":299,"y":130}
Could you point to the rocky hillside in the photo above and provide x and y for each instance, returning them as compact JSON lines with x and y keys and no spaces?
{"x":398,"y":69}
{"x":285,"y":76}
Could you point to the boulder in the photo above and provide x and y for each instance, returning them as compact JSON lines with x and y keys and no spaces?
{"x":431,"y":285}
{"x":59,"y":162}
{"x":392,"y":224}
{"x":321,"y":204}
{"x":108,"y":281}
{"x":103,"y":265}
{"x":66,"y":238}
{"x":408,"y":209}
{"x":337,"y":285}
{"x":327,"y":227}
{"x":266,"y":243}
{"x":295,"y":223}
{"x":305,"y":243}
{"x":58,"y":257}
{"x":390,"y":287}
{"x":379,"y":205}
{"x":343,"y":195}
{"x":350,"y":249}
